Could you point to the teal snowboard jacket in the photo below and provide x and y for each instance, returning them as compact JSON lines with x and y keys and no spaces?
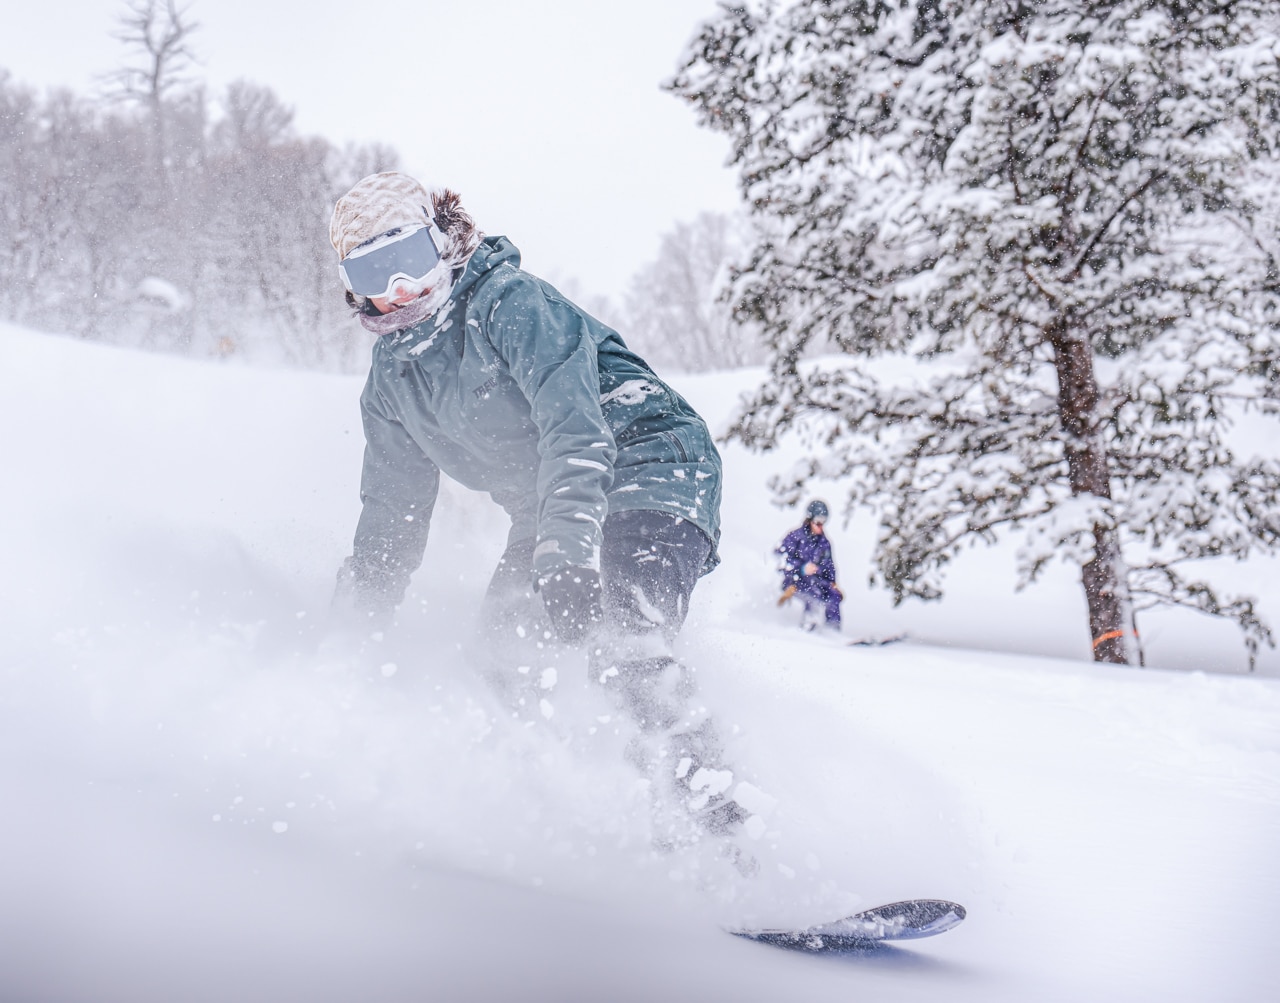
{"x":511,"y":389}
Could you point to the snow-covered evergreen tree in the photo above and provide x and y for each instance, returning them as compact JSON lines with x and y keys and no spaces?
{"x":1054,"y":207}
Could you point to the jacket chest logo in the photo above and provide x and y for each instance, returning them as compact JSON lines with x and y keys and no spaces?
{"x":483,"y":389}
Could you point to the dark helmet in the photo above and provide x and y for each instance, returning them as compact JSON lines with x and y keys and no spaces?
{"x":817,"y":510}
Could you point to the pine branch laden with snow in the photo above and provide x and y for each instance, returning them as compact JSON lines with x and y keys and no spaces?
{"x":1065,"y":214}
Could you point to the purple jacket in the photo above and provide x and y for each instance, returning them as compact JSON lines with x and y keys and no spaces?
{"x":799,"y":548}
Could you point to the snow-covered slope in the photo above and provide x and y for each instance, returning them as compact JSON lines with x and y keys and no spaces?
{"x":202,"y":804}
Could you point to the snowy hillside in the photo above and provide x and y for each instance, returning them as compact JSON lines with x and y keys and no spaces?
{"x":204,"y":802}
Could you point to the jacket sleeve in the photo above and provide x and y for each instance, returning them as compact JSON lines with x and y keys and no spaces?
{"x":791,"y":561}
{"x":398,"y":488}
{"x":552,"y":356}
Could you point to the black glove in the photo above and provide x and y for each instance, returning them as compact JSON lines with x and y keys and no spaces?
{"x":572,"y":601}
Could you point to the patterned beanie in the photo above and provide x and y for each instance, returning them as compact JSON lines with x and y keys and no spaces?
{"x":385,"y":201}
{"x":376,"y":204}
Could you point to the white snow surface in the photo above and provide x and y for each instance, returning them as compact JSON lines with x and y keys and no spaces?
{"x":204,"y":801}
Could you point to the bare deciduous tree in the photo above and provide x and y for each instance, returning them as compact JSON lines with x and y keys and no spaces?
{"x":159,"y":32}
{"x":233,"y":260}
{"x":676,"y":310}
{"x":254,"y":117}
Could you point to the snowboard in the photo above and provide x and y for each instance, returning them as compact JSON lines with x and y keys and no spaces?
{"x":910,"y":920}
{"x":876,"y":642}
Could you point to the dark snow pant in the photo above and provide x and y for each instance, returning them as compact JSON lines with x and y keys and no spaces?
{"x":649,"y":565}
{"x":818,"y":594}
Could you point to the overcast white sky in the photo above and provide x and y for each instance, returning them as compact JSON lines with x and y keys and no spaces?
{"x":545,"y":114}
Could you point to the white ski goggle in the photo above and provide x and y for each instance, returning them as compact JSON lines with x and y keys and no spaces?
{"x":373,"y":268}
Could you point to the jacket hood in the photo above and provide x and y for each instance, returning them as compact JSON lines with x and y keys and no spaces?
{"x":412,"y":341}
{"x":492,"y":253}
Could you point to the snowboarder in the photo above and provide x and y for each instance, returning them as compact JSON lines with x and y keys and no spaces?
{"x":611,"y":480}
{"x":809,"y":571}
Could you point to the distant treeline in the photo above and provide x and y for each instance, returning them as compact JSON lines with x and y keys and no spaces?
{"x":156,"y":216}
{"x":160,"y":224}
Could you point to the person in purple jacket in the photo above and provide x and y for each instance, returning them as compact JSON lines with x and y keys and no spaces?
{"x":808,"y":570}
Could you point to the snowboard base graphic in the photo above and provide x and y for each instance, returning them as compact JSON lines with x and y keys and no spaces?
{"x":910,"y":920}
{"x":876,"y":642}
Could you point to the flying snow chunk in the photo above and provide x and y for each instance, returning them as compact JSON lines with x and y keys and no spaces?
{"x":715,"y":781}
{"x":389,"y":669}
{"x":546,"y":708}
{"x":752,"y":798}
{"x":548,"y":679}
{"x":279,"y":826}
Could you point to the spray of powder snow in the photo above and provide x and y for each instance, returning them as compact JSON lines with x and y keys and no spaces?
{"x":401,"y":754}
{"x":211,"y":676}
{"x":182,"y":650}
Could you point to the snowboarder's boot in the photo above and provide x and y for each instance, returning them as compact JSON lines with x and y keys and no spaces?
{"x":654,"y":692}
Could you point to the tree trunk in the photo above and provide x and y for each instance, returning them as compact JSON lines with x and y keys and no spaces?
{"x":1105,"y":577}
